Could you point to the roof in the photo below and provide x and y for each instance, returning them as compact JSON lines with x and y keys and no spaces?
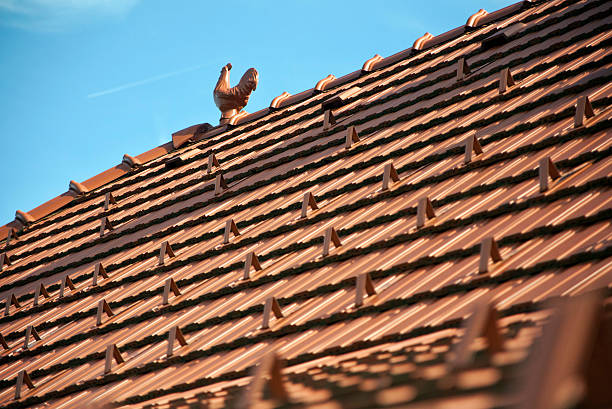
{"x":416,"y":233}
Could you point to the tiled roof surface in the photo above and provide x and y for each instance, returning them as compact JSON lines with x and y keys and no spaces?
{"x":367,"y":223}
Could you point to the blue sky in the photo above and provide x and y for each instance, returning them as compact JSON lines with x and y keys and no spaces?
{"x":84,"y":81}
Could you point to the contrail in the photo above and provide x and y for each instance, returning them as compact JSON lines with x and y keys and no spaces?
{"x":145,"y":81}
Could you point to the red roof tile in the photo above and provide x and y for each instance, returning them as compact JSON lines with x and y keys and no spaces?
{"x":404,"y":256}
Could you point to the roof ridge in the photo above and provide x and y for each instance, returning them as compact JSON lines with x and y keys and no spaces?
{"x":59,"y":202}
{"x":524,"y":90}
{"x":590,"y":5}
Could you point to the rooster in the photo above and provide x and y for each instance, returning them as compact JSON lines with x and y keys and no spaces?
{"x":231,"y":100}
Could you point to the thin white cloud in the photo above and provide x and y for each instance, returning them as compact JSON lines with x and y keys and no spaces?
{"x":11,"y":6}
{"x":54,"y":15}
{"x":144,"y":81}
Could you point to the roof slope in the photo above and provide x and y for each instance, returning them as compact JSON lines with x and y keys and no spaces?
{"x":356,"y":231}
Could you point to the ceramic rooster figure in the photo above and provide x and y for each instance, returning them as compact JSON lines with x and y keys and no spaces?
{"x":231,"y":100}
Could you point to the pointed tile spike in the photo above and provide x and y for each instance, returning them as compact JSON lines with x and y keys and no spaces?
{"x":99,"y":270}
{"x":363,"y":286}
{"x":112,"y":352}
{"x":329,"y":119}
{"x":103,"y":307}
{"x":389,"y":174}
{"x":165,"y":249}
{"x":44,"y":291}
{"x":271,"y":307}
{"x":7,"y":305}
{"x":472,"y":145}
{"x":109,"y":199}
{"x":251,"y":260}
{"x":69,"y":283}
{"x":267,"y":373}
{"x":15,"y":301}
{"x":5,"y":260}
{"x":12,"y":235}
{"x":37,"y":294}
{"x":230,"y":227}
{"x":488,"y":249}
{"x":220,"y":184}
{"x":62,"y":288}
{"x":175,"y":334}
{"x":66,"y":282}
{"x":11,"y":299}
{"x":30,"y":331}
{"x":170,"y":285}
{"x":547,"y":168}
{"x":483,"y":322}
{"x":275,"y":384}
{"x":424,"y":210}
{"x":22,"y":377}
{"x":331,"y":236}
{"x":351,"y":137}
{"x":584,"y":111}
{"x":40,"y":290}
{"x":3,"y":342}
{"x":212,"y":161}
{"x":573,"y":351}
{"x":463,"y":69}
{"x":308,"y":200}
{"x":34,"y":333}
{"x":105,"y":224}
{"x":492,"y":333}
{"x":505,"y":80}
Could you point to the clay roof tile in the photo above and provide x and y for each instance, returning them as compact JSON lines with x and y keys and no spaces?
{"x":431,"y":287}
